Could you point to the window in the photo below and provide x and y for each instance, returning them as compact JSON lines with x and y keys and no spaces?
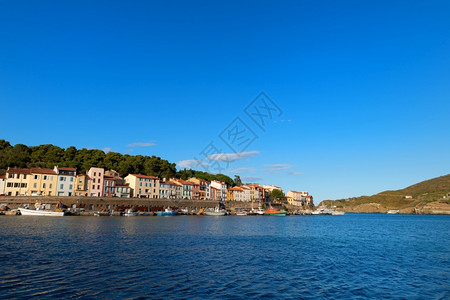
{"x":61,"y":186}
{"x":36,"y":176}
{"x":9,"y":184}
{"x":61,"y":179}
{"x":44,"y":185}
{"x":10,"y":175}
{"x":98,"y":187}
{"x":79,"y":180}
{"x":95,"y":174}
{"x":70,"y":187}
{"x":93,"y":180}
{"x":45,"y":177}
{"x":51,"y":178}
{"x":71,"y":179}
{"x":35,"y":185}
{"x":51,"y":185}
{"x":16,"y":184}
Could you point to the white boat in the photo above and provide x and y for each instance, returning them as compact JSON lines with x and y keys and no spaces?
{"x":216,"y":212}
{"x":393,"y":211}
{"x":241,"y":213}
{"x":337,"y":213}
{"x":40,"y":212}
{"x":130,"y":213}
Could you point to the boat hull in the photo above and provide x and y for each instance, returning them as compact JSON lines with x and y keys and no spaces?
{"x":163,"y":213}
{"x":279,"y":214}
{"x":214,"y":213}
{"x":44,"y":213}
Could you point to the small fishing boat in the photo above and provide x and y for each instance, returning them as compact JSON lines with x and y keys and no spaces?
{"x":43,"y":210}
{"x":393,"y":212}
{"x":216,"y":212}
{"x":275,"y":212}
{"x":130,"y":213}
{"x":241,"y":213}
{"x":102,"y":213}
{"x":337,"y":213}
{"x":167,"y":212}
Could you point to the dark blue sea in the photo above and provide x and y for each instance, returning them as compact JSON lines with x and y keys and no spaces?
{"x":356,"y":256}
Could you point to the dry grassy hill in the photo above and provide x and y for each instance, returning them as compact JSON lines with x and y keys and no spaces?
{"x":427,"y":197}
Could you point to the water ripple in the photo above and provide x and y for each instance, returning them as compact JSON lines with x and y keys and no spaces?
{"x":350,"y":257}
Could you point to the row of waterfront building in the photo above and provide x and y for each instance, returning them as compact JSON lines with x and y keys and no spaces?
{"x":97,"y":182}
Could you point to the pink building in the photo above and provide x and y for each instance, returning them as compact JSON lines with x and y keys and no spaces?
{"x":96,"y":182}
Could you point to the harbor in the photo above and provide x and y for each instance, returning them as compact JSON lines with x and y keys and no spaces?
{"x":111,"y":206}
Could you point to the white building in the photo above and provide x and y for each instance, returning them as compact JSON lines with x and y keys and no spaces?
{"x":296,"y":196}
{"x":96,"y":181}
{"x":65,"y":181}
{"x":222,"y":186}
{"x":2,"y":184}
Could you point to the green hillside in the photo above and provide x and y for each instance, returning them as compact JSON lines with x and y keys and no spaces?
{"x":47,"y":156}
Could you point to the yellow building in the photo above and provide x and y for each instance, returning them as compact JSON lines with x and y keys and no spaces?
{"x":17,"y":182}
{"x":143,"y":186}
{"x":81,"y":187}
{"x":42,"y":182}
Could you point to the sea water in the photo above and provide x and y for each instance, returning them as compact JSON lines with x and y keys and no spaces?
{"x":335,"y":257}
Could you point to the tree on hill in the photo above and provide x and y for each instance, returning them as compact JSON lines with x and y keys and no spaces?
{"x":188,"y":173}
{"x":277,"y":195}
{"x":237,"y":180}
{"x":47,"y":156}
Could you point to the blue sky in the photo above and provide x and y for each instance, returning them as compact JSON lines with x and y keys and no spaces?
{"x":362,"y":86}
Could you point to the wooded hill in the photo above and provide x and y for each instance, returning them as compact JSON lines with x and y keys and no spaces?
{"x":47,"y":156}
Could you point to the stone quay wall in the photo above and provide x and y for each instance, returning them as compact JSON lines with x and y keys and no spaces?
{"x":118,"y":204}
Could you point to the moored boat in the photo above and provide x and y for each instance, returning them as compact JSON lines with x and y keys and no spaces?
{"x":337,"y":213}
{"x":393,"y":212}
{"x":102,"y":213}
{"x":216,"y":212}
{"x":40,"y":212}
{"x":130,"y":213}
{"x":275,"y":212}
{"x":167,"y":212}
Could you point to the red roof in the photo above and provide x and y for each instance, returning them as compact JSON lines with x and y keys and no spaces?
{"x":3,"y":176}
{"x":144,"y":176}
{"x":66,"y":169}
{"x":18,"y":171}
{"x":42,"y":171}
{"x":183,"y":181}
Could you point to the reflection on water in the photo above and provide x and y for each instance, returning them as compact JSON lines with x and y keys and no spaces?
{"x":349,"y":256}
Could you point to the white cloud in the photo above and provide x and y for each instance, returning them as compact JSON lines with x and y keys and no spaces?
{"x":241,"y":170}
{"x":279,"y":166}
{"x":190,"y":163}
{"x":139,"y":144}
{"x":295,"y":173}
{"x":248,"y":179}
{"x":230,"y":157}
